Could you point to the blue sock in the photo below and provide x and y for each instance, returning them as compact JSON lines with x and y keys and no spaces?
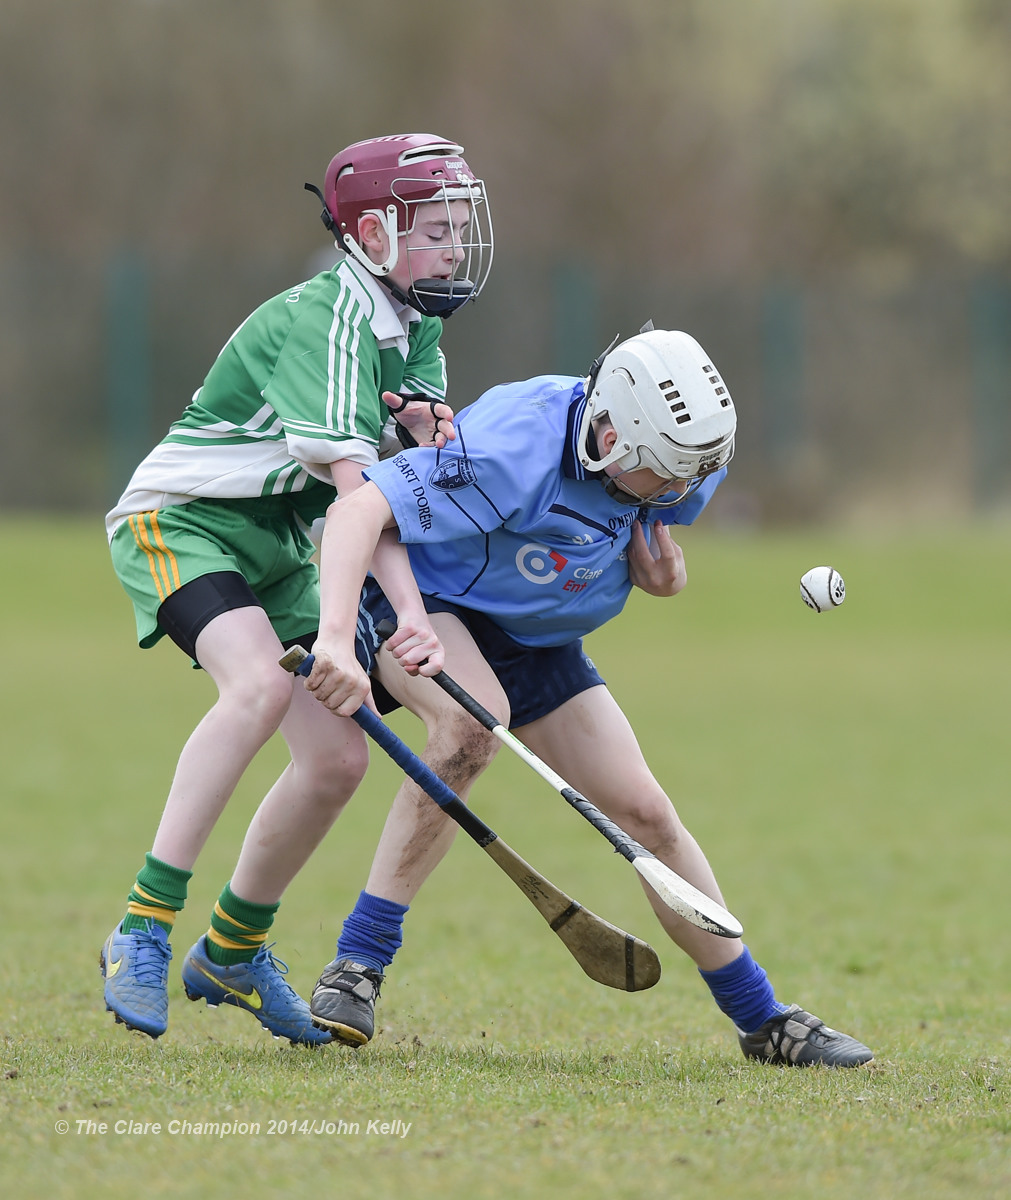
{"x":373,"y":932}
{"x":743,"y":992}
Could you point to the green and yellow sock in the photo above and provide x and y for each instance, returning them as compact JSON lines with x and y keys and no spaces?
{"x":238,"y":929}
{"x":158,"y":894}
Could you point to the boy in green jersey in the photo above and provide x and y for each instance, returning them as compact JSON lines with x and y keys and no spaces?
{"x":210,"y":540}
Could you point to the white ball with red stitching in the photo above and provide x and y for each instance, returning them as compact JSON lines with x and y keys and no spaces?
{"x":822,"y":588}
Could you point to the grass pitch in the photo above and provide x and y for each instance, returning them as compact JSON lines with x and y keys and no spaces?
{"x":846,"y":773}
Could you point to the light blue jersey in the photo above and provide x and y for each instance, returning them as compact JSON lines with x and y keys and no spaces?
{"x":505,"y":521}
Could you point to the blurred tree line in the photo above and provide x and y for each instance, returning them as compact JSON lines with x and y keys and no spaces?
{"x":818,"y":190}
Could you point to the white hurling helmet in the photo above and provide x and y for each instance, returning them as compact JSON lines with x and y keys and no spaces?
{"x":671,"y":410}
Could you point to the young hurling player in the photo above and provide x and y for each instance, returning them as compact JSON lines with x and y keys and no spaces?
{"x":210,"y":542}
{"x":525,"y":534}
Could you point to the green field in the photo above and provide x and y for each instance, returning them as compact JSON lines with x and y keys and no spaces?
{"x":846,"y":773}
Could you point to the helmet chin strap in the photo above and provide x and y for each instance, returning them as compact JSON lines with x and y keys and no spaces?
{"x":397,"y":292}
{"x":619,"y":493}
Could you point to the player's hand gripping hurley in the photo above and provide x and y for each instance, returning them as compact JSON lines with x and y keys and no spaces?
{"x":606,"y":953}
{"x":678,"y":894}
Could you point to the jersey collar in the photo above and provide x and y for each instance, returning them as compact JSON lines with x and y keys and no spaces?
{"x":572,"y":468}
{"x":390,"y":318}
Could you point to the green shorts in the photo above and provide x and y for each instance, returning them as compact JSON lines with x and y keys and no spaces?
{"x":156,"y":553}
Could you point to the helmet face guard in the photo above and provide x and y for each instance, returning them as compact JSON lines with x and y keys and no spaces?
{"x":472,"y":250}
{"x":389,"y":178}
{"x":669,"y":407}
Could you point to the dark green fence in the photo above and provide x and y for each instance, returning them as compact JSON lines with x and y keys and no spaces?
{"x":850,"y":397}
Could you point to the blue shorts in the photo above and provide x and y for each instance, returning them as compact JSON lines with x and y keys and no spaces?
{"x":536,"y":679}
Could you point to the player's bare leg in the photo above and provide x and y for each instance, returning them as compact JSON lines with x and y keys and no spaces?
{"x":589,"y":741}
{"x":329,"y":757}
{"x":235,"y":649}
{"x":417,"y":834}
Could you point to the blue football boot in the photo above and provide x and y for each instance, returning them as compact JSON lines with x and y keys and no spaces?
{"x":258,"y":987}
{"x":135,"y":967}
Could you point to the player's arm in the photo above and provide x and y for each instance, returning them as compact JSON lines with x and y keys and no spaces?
{"x":656,"y":566}
{"x":415,"y":641}
{"x":358,"y":534}
{"x":354,"y":524}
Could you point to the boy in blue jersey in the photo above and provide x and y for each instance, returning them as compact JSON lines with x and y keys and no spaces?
{"x":210,"y":542}
{"x":525,"y":534}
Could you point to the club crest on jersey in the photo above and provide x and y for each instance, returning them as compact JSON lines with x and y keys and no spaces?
{"x":452,"y":475}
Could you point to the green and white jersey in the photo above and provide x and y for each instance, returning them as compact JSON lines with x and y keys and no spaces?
{"x":295,"y":388}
